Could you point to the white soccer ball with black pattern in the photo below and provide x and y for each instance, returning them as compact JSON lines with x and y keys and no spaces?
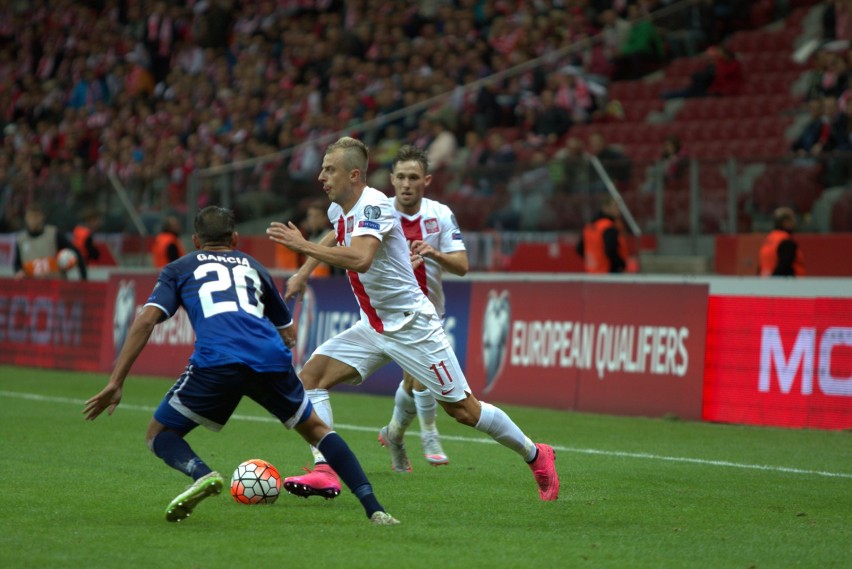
{"x":255,"y":481}
{"x":66,"y":259}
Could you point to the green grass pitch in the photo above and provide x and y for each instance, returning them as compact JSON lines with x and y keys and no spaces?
{"x":635,"y":492}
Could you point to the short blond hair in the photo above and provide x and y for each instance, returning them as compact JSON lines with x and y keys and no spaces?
{"x":356,"y":155}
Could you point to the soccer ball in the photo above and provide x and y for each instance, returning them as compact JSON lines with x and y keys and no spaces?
{"x":255,"y":481}
{"x":66,"y":259}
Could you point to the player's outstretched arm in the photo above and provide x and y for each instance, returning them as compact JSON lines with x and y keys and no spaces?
{"x":358,"y":256}
{"x":297,"y":284}
{"x":110,"y":396}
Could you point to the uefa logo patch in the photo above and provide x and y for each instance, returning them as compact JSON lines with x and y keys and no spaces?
{"x":372,"y":212}
{"x":495,"y":336}
{"x":124,"y":311}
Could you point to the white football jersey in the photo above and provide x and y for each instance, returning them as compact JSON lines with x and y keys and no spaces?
{"x":436,"y":225}
{"x":387,"y":293}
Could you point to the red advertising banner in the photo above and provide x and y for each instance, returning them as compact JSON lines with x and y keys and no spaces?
{"x":168,"y":350}
{"x":589,"y":346}
{"x":779,"y":361}
{"x":51,"y":323}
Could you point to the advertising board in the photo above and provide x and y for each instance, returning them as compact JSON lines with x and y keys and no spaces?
{"x":589,"y":346}
{"x":51,"y":323}
{"x":785,"y":362}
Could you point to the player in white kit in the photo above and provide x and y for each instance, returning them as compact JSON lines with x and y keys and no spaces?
{"x":433,"y":234}
{"x":398,"y":323}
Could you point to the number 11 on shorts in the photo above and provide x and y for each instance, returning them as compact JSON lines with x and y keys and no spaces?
{"x":440,"y":369}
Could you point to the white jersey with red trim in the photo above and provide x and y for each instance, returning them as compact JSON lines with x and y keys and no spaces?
{"x":387,"y":293}
{"x":436,"y":225}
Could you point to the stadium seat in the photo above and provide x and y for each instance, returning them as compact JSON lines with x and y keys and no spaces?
{"x":769,"y":62}
{"x":793,"y":185}
{"x":771,"y":83}
{"x":642,"y":153}
{"x":684,"y":67}
{"x":634,"y":90}
{"x":753,"y":41}
{"x":841,"y":213}
{"x":676,"y":212}
{"x":638,"y":110}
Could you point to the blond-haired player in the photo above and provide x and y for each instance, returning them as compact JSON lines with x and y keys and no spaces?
{"x":398,"y":323}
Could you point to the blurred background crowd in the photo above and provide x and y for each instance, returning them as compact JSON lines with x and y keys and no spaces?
{"x":144,"y":93}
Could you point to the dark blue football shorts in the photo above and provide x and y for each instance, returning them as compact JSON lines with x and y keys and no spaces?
{"x":208,"y":396}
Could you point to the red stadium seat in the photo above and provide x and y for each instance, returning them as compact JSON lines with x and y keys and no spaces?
{"x":783,"y":81}
{"x":634,"y":90}
{"x":751,"y":41}
{"x":684,"y":67}
{"x":638,"y":110}
{"x":796,"y":186}
{"x":841,"y":213}
{"x":769,"y":62}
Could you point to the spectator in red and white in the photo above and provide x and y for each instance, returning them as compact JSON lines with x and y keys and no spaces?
{"x":572,"y":92}
{"x":728,"y":76}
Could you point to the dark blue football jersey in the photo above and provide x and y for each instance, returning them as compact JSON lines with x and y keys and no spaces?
{"x":233,"y":305}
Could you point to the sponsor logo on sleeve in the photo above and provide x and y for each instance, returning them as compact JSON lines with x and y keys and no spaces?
{"x":368,"y":225}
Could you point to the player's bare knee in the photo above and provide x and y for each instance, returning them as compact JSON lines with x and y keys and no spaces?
{"x":407,"y":383}
{"x":154,"y":429}
{"x":309,"y":382}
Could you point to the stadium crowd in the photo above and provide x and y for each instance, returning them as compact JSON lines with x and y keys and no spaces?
{"x":150,"y":91}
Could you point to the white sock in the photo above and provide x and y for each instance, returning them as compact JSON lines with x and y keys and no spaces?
{"x":403,"y":413}
{"x":426,"y":410}
{"x":500,"y":427}
{"x":322,"y":405}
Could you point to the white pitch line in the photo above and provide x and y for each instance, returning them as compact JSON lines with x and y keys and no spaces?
{"x":612,"y":453}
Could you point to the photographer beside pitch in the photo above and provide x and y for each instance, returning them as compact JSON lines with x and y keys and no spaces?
{"x":243,"y":332}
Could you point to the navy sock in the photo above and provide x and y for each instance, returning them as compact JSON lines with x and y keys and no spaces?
{"x":176,"y":452}
{"x":344,"y":462}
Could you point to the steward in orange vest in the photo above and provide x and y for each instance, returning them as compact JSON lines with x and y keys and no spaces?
{"x":780,"y":255}
{"x":82,"y":236}
{"x":602,"y":246}
{"x":167,"y":245}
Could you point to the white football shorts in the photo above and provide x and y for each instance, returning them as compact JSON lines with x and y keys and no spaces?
{"x":420,"y":347}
